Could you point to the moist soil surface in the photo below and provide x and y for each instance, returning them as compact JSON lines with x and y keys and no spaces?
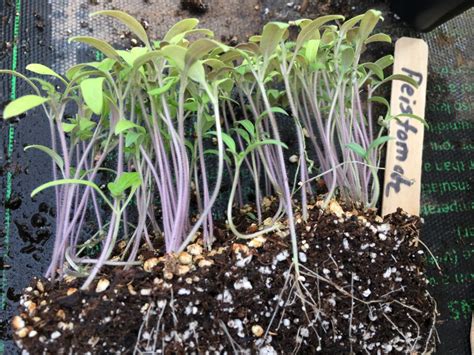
{"x":361,"y":289}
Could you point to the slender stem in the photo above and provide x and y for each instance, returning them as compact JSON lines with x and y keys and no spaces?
{"x":220,"y":147}
{"x":230,"y":221}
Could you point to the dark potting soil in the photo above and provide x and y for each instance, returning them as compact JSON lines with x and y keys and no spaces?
{"x":362,"y":289}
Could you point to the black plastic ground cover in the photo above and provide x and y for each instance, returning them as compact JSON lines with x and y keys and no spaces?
{"x":24,"y":244}
{"x":26,"y":225}
{"x":448,"y":178}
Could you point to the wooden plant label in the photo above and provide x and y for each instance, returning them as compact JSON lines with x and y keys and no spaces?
{"x":402,"y":183}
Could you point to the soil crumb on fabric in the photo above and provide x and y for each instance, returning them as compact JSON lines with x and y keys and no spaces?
{"x":194,"y":6}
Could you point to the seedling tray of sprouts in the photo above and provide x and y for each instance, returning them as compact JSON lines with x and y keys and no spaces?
{"x":306,"y":265}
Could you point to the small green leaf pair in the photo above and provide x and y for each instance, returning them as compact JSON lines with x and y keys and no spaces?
{"x":360,"y":151}
{"x":124,"y":182}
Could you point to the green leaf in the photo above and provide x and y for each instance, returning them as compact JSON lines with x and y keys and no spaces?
{"x":233,"y":54}
{"x":216,"y":152}
{"x":272,"y":142}
{"x":199,"y":49}
{"x":228,"y":140}
{"x":275,"y":110}
{"x":129,"y":21}
{"x":375,"y":69}
{"x":225,"y":85}
{"x":180,"y":27}
{"x":311,"y":51}
{"x":92,"y":93}
{"x":379,"y":141}
{"x":68,"y":127}
{"x":75,"y":70}
{"x":53,"y":155}
{"x":248,"y":125}
{"x":23,"y":104}
{"x":400,"y":77}
{"x":127,"y":57}
{"x":251,"y":215}
{"x":279,"y":110}
{"x":274,"y":94}
{"x":145,"y":58}
{"x":352,"y":36}
{"x":379,"y":37}
{"x":311,"y":31}
{"x":22,"y":77}
{"x":380,"y":100}
{"x":124,"y":182}
{"x":106,"y":65}
{"x":244,"y":134}
{"x":197,"y":73}
{"x":368,"y":23}
{"x":191,"y":105}
{"x":98,"y":44}
{"x":82,"y":172}
{"x":385,"y":62}
{"x":201,"y":31}
{"x":85,"y":124}
{"x":46,"y":86}
{"x":206,"y":123}
{"x":124,"y":125}
{"x":168,"y":83}
{"x":74,"y":182}
{"x":214,"y":63}
{"x":271,"y":36}
{"x":255,"y":39}
{"x":271,"y":76}
{"x":412,"y":116}
{"x":132,"y":138}
{"x":358,"y":149}
{"x":249,"y":47}
{"x":189,"y":145}
{"x":301,"y":23}
{"x":349,"y":24}
{"x":138,"y":52}
{"x":43,"y":70}
{"x":175,"y":54}
{"x":347,"y":58}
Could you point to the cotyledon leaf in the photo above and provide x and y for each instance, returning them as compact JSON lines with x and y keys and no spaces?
{"x":310,"y":31}
{"x":180,"y":27}
{"x":43,"y":70}
{"x":55,"y":156}
{"x":23,"y":104}
{"x":98,"y":44}
{"x":93,"y":95}
{"x":129,"y":21}
{"x":271,"y":36}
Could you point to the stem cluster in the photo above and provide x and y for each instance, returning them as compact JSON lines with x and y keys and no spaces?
{"x":135,"y":158}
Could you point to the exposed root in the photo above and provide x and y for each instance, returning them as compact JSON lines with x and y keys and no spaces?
{"x":234,"y":344}
{"x":151,"y":336}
